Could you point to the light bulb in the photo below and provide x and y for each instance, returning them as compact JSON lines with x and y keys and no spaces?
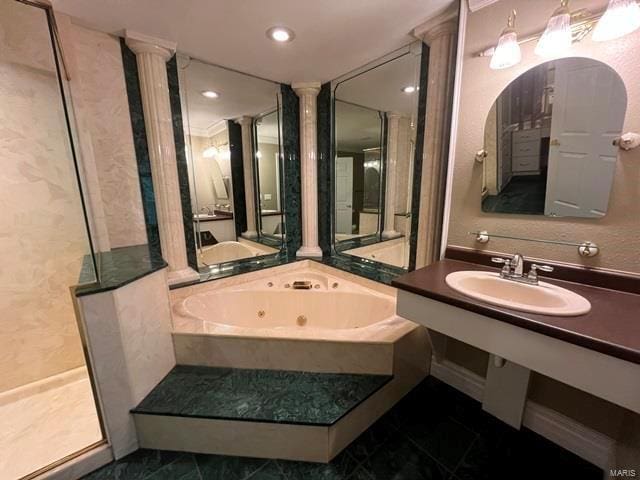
{"x":210,"y":152}
{"x":556,"y":39}
{"x":507,"y":53}
{"x":621,"y":18}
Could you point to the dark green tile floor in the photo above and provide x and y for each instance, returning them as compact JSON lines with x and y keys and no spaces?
{"x":275,"y":396}
{"x":434,"y":433}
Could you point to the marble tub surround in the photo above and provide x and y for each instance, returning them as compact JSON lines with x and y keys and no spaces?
{"x":193,"y":306}
{"x":277,"y":396}
{"x":151,"y":56}
{"x":121,"y":266}
{"x":308,"y":92}
{"x":129,"y":343}
{"x":409,"y":361}
{"x":45,"y":421}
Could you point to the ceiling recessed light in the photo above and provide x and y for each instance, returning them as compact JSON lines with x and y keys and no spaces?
{"x":210,"y":94}
{"x":280,"y":34}
{"x":409,"y":89}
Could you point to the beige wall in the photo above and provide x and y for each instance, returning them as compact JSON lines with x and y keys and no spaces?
{"x":98,"y":77}
{"x":42,"y":233}
{"x":268,"y":179}
{"x":618,"y":233}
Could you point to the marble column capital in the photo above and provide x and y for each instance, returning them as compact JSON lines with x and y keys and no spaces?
{"x":444,"y":24}
{"x":140,"y":43}
{"x":393,"y":115}
{"x":244,"y":121}
{"x":306,"y":88}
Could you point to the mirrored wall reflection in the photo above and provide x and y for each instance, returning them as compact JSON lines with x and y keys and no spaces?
{"x":231,"y":122}
{"x":267,"y":136}
{"x":375,"y":116}
{"x":549,"y":141}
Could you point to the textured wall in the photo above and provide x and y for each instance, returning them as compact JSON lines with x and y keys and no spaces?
{"x":105,"y":106}
{"x":618,"y":233}
{"x":42,"y":232}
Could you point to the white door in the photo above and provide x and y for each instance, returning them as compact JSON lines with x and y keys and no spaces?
{"x":588,"y":114}
{"x":344,"y":195}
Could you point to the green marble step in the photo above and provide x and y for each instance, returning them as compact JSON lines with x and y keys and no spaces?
{"x":272,"y":396}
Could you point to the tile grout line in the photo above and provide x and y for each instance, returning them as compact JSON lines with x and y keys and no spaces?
{"x":455,"y":470}
{"x":429,"y":454}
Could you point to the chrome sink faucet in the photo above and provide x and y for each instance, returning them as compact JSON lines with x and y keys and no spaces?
{"x":513,"y":269}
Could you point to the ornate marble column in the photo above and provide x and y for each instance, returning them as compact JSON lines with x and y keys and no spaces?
{"x":308,"y":93}
{"x":440,"y":34}
{"x":246,"y":124}
{"x":152,"y":55}
{"x":393,"y":126}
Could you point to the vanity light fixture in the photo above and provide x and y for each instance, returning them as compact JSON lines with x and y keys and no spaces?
{"x":507,"y":53}
{"x":210,"y":94}
{"x":280,"y":34}
{"x":409,"y":89}
{"x":210,"y":152}
{"x":556,"y":39}
{"x":621,"y":18}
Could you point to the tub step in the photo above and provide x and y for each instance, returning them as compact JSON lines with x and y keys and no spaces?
{"x":260,"y":413}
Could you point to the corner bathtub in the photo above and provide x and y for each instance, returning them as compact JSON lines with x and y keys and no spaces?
{"x":338,"y":306}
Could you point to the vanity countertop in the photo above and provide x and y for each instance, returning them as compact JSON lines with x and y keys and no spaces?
{"x":611,"y":327}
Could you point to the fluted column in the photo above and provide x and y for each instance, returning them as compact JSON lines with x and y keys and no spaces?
{"x":151,"y":56}
{"x":246,"y":124}
{"x":308,"y":93}
{"x":393,"y":126}
{"x":440,"y":34}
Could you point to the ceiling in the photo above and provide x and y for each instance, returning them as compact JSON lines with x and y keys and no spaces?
{"x":332,"y":36}
{"x":240,"y":95}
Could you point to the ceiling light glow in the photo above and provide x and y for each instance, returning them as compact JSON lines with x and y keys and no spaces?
{"x":280,"y":34}
{"x":556,"y":39}
{"x":210,"y":94}
{"x":507,"y":53}
{"x":409,"y":89}
{"x":621,"y":18}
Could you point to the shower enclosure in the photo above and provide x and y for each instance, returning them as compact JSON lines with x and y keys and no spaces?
{"x":48,"y":410}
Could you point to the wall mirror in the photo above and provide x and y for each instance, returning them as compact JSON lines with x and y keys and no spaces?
{"x":374,"y":121}
{"x":267,"y":134}
{"x":549,"y":141}
{"x":231,"y":123}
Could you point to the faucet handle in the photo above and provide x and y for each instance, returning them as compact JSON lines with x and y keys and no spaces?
{"x":533,"y":273}
{"x":506,"y":262}
{"x":500,"y":260}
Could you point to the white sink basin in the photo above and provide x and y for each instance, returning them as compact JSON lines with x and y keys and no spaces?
{"x":544,"y":298}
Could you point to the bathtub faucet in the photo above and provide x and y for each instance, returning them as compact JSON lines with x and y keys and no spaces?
{"x":302,"y":285}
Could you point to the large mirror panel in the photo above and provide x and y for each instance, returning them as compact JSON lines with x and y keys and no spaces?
{"x":231,"y":122}
{"x":270,"y":176}
{"x":549,"y":141}
{"x":374,"y":120}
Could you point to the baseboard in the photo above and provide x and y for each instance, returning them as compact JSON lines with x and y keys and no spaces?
{"x":583,"y":441}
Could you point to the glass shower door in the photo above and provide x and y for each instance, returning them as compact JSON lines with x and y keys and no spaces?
{"x":47,"y":407}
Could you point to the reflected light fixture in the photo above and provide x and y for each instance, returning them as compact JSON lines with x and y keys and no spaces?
{"x":507,"y":53}
{"x":556,"y":39}
{"x":409,"y":89}
{"x":280,"y":34}
{"x":258,"y":154}
{"x":210,"y":94}
{"x":621,"y":18}
{"x":210,"y":152}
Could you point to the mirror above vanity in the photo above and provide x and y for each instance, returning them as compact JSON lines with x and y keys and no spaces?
{"x":549,"y":141}
{"x":375,"y":114}
{"x":232,"y":138}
